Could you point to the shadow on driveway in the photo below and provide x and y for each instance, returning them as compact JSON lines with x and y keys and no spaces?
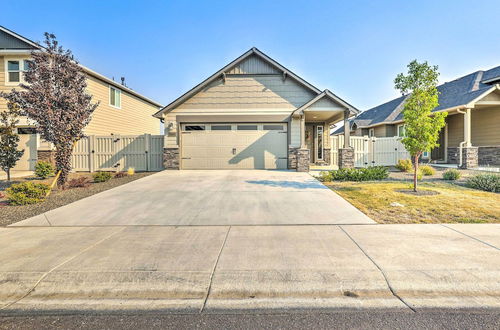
{"x":289,"y":184}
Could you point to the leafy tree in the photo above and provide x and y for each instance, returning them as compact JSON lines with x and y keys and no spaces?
{"x":9,"y":140}
{"x":56,"y":99}
{"x":421,"y":125}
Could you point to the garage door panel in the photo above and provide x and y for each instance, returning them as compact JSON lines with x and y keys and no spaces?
{"x":236,"y":149}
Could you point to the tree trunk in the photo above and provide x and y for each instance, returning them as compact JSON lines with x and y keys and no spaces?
{"x":415,"y":179}
{"x":63,"y":162}
{"x":8,"y":174}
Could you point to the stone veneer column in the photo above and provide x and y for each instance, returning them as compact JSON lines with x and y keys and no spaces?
{"x":292,"y":158}
{"x":171,"y":158}
{"x":303,"y":160}
{"x":346,"y":157}
{"x":470,"y":157}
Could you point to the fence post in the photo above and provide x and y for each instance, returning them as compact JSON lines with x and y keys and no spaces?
{"x":147,"y":151}
{"x":91,"y":153}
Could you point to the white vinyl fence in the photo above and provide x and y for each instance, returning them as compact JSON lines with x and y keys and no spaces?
{"x":118,"y":153}
{"x":371,"y":151}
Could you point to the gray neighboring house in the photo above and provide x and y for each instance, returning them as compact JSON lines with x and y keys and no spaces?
{"x":472,"y":124}
{"x":252,"y":114}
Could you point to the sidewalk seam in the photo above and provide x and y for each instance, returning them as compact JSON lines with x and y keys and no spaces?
{"x":381,"y":271}
{"x":46,"y":218}
{"x":57,"y":266}
{"x":213,"y":271}
{"x":474,"y":238}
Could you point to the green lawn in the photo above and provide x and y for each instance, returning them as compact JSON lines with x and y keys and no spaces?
{"x":453,"y":204}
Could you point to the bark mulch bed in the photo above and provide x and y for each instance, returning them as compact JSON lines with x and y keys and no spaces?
{"x":10,"y":214}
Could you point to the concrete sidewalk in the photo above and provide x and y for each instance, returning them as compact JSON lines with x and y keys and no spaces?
{"x":213,"y":268}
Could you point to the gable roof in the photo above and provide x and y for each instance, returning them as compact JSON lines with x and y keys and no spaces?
{"x":252,"y":52}
{"x":9,"y":37}
{"x":326,"y":94}
{"x":454,"y":94}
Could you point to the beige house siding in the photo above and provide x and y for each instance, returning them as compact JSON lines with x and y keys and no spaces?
{"x":379,"y":131}
{"x":134,"y":117}
{"x":485,"y":125}
{"x":455,"y":129}
{"x":295,"y":133}
{"x":245,"y":93}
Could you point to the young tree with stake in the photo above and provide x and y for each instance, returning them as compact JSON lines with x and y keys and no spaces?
{"x":54,"y":97}
{"x":422,"y":126}
{"x":9,"y":140}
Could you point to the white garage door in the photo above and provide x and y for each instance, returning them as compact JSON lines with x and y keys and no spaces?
{"x":234,"y":146}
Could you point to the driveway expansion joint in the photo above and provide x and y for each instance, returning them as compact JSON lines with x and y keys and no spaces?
{"x":44,"y":275}
{"x":474,"y":238}
{"x":381,"y":271}
{"x":213,"y":271}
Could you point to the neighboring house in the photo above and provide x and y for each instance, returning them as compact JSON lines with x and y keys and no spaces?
{"x":252,"y":114}
{"x":472,"y":124}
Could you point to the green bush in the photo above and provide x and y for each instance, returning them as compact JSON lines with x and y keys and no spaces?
{"x":404,"y":165}
{"x":420,"y":175}
{"x":102,"y":177}
{"x":324,"y":176}
{"x":27,"y":193}
{"x":43,"y":169}
{"x":359,"y":174}
{"x":427,"y":170}
{"x":486,"y":182}
{"x":451,"y":174}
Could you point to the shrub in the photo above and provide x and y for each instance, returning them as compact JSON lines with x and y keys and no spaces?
{"x":101,"y":176}
{"x":404,"y":165}
{"x":360,"y":174}
{"x":486,"y":182}
{"x":27,"y":193}
{"x":131,"y":171}
{"x":81,"y":182}
{"x":44,"y":169}
{"x":427,"y":170}
{"x":420,"y":175}
{"x":121,"y":175}
{"x":451,"y":174}
{"x":324,"y":177}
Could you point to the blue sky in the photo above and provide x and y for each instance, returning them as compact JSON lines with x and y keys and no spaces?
{"x":354,"y":48}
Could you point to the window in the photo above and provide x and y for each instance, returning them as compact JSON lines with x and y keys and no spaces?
{"x":221,"y":127}
{"x":401,"y":130}
{"x":425,"y":154}
{"x":15,"y":70}
{"x":247,"y":127}
{"x":319,"y":141}
{"x":371,"y":132}
{"x":115,"y":97}
{"x":26,"y":130}
{"x":273,"y":127}
{"x":194,"y":128}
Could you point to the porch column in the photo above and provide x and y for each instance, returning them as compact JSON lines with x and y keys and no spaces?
{"x":346,"y":154}
{"x":467,"y":129}
{"x":303,"y":131}
{"x":470,"y":154}
{"x":347,"y":130}
{"x":303,"y":154}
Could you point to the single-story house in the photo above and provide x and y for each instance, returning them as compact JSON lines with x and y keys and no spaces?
{"x":252,"y":114}
{"x":472,"y":124}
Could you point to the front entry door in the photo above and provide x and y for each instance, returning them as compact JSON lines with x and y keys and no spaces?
{"x":310,"y":142}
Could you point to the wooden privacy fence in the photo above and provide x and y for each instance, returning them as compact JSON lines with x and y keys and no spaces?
{"x":118,"y":153}
{"x":371,"y":151}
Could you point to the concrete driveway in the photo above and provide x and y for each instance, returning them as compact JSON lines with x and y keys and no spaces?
{"x":208,"y":198}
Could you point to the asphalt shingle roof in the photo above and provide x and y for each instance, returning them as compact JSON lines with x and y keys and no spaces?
{"x":454,"y":93}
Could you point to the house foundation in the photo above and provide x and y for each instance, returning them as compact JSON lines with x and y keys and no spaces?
{"x":171,"y":158}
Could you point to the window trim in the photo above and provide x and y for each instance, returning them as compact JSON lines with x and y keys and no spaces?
{"x":21,"y":70}
{"x":371,"y":132}
{"x":320,"y":147}
{"x":109,"y":97}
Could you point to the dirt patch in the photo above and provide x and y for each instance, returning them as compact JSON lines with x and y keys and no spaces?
{"x":418,"y":192}
{"x":10,"y":214}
